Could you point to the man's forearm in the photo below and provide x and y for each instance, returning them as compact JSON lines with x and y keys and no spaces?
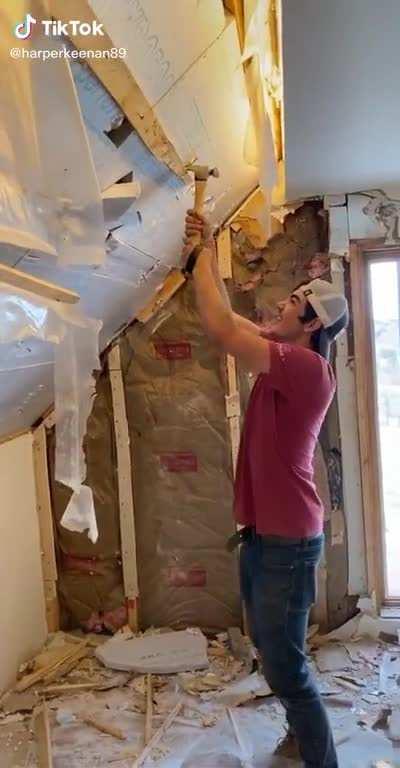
{"x":216,"y":314}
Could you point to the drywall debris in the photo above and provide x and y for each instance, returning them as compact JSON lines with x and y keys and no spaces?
{"x":332,"y":657}
{"x":394,"y":726}
{"x":280,"y":212}
{"x":362,"y":650}
{"x":18,"y":702}
{"x":160,"y":654}
{"x":239,"y":692}
{"x":195,"y":684}
{"x":385,"y":212}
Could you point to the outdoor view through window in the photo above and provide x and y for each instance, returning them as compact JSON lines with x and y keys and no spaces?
{"x":385,"y":288}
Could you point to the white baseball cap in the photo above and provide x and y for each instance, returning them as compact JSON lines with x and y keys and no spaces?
{"x":329,"y":305}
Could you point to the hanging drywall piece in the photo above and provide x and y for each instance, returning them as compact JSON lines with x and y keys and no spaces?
{"x":162,"y":40}
{"x":165,"y":653}
{"x":339,"y":231}
{"x":25,"y":316}
{"x":259,"y":145}
{"x":213,"y":106}
{"x":50,"y":195}
{"x":117,"y":199}
{"x":22,"y":184}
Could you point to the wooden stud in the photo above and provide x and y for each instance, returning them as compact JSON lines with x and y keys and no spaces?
{"x":171,"y":285}
{"x":125,"y":492}
{"x":118,"y":80}
{"x":46,"y":528}
{"x":43,"y":737}
{"x":44,"y":289}
{"x":224,"y":255}
{"x":148,"y":728}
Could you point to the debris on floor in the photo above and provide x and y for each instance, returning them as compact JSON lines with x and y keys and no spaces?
{"x":205,"y":714}
{"x":165,"y":653}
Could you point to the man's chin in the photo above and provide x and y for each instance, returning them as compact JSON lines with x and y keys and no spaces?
{"x":272,"y":333}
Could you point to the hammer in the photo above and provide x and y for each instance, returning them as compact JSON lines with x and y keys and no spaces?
{"x":201,"y":174}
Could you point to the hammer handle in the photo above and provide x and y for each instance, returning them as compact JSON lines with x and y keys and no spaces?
{"x":200,"y":187}
{"x":199,"y":197}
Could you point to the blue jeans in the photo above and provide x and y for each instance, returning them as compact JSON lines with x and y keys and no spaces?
{"x":278,"y":581}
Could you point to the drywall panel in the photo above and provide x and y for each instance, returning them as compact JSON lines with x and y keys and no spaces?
{"x":162,"y":39}
{"x":342,"y":104}
{"x":22,"y":611}
{"x":213,"y":111}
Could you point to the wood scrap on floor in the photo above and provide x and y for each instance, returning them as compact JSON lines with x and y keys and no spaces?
{"x":103,"y":727}
{"x":148,"y":728}
{"x":43,"y":737}
{"x":156,"y":738}
{"x":65,"y":660}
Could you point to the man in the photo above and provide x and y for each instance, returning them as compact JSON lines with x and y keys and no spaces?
{"x":275,"y":496}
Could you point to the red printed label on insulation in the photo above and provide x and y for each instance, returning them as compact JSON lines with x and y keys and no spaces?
{"x":179,"y":462}
{"x":173,"y":350}
{"x":186,"y":577}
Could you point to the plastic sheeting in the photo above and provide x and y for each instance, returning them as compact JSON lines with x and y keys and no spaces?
{"x":24,"y":316}
{"x":50,"y":199}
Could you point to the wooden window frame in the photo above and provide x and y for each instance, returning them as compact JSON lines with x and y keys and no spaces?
{"x":362,"y":252}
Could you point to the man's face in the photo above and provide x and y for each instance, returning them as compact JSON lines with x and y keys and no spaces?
{"x":287,"y":325}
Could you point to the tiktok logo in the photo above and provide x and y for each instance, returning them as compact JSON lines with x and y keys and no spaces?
{"x":24,"y":29}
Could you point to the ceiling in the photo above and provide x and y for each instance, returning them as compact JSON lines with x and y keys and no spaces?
{"x":204,"y":111}
{"x":341,"y":62}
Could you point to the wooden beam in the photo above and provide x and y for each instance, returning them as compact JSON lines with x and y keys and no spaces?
{"x":43,"y":737}
{"x":120,"y":83}
{"x":236,"y":7}
{"x":125,"y":492}
{"x":224,"y":255}
{"x":367,"y":416}
{"x":17,"y":279}
{"x":171,"y":285}
{"x":46,"y":528}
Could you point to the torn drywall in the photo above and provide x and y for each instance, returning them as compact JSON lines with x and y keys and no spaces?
{"x":51,"y":199}
{"x":25,"y":316}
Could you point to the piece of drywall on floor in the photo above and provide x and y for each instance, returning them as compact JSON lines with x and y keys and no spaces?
{"x":342,"y":107}
{"x":162,"y":39}
{"x":22,"y":610}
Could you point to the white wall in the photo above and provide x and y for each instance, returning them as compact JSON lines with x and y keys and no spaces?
{"x":22,"y":611}
{"x":341,"y":60}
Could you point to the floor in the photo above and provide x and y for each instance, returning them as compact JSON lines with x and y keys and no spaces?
{"x":360,"y":688}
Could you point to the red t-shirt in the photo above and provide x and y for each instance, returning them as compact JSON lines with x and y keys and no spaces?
{"x":274,"y":487}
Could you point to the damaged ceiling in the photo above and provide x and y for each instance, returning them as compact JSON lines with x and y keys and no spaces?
{"x":205,"y":87}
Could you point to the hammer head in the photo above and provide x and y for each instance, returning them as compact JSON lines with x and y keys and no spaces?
{"x":202,"y":172}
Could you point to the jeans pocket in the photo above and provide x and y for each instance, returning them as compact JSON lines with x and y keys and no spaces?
{"x":304,"y":591}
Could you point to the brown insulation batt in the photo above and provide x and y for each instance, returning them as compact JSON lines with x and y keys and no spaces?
{"x":90,"y":575}
{"x":175,"y":393}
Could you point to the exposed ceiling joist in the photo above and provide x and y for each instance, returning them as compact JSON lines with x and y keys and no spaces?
{"x":236,"y":7}
{"x":120,"y":83}
{"x":17,"y":279}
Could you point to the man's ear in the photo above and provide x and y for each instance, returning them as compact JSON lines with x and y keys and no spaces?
{"x":313,"y":325}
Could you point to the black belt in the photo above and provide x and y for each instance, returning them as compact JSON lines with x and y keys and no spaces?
{"x":250,"y":534}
